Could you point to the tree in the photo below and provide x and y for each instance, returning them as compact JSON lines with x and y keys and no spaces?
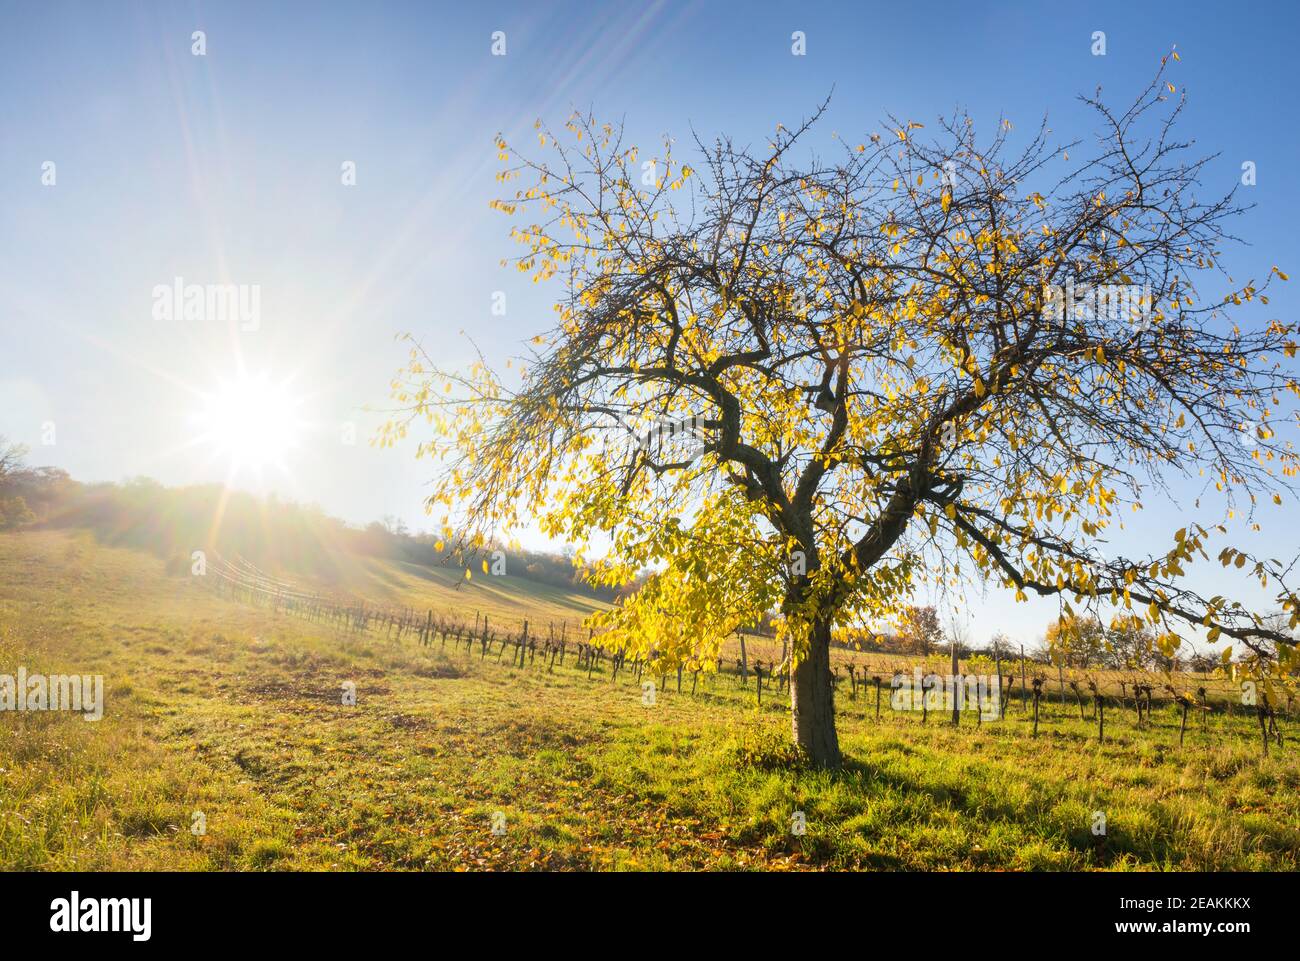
{"x":806,"y":386}
{"x":1076,"y":640}
{"x":393,"y":525}
{"x":1129,"y":643}
{"x":1001,"y":646}
{"x":1276,"y":666}
{"x":14,"y":512}
{"x":12,"y":461}
{"x":1280,"y":622}
{"x":920,"y":630}
{"x":956,"y":637}
{"x":14,"y":473}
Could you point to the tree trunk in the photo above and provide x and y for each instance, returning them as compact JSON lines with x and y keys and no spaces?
{"x":812,"y":701}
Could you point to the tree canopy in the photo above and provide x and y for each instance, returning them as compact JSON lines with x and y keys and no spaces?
{"x":790,"y":383}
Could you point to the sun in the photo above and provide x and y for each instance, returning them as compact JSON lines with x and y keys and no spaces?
{"x":252,"y":421}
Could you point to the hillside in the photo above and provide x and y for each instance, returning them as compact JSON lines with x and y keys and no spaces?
{"x":505,"y":599}
{"x":382,"y":562}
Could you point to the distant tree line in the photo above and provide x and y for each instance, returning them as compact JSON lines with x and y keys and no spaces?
{"x":390,"y":538}
{"x":1073,"y":641}
{"x":174,"y":521}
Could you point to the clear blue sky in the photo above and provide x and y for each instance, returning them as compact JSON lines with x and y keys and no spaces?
{"x":226,"y":168}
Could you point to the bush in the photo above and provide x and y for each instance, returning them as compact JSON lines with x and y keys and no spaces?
{"x":14,"y":512}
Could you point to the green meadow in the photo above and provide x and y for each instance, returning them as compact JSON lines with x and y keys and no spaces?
{"x":226,"y":745}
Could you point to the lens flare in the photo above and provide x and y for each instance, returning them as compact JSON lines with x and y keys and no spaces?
{"x":252,"y":421}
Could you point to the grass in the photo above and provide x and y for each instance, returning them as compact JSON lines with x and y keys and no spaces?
{"x":232,"y":712}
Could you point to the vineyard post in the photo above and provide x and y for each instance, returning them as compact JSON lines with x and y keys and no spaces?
{"x":957,"y":687}
{"x":1022,"y":679}
{"x":997,"y":654}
